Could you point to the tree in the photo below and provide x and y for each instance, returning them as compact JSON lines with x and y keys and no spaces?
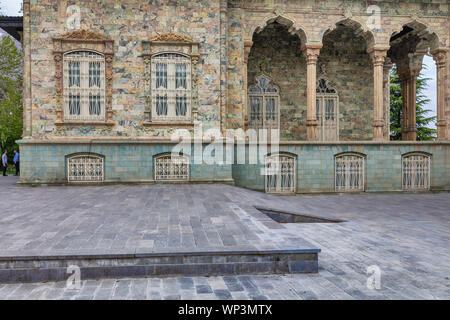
{"x":11,"y":94}
{"x":423,"y":121}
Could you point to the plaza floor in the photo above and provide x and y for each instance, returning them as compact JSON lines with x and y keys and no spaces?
{"x":406,"y":235}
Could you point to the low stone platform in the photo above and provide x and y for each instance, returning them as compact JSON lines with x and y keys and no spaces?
{"x":19,"y":269}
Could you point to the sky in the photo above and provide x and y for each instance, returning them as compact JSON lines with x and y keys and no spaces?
{"x":12,"y":7}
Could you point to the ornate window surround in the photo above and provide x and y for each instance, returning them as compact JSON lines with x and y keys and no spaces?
{"x":177,"y":44}
{"x":83,"y":40}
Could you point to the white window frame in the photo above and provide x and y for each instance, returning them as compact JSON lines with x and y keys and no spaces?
{"x":171,"y":60}
{"x":170,"y":174}
{"x":84,"y":165}
{"x":274,"y":163}
{"x":264,"y":90}
{"x":347,"y":175}
{"x":84,"y":90}
{"x":326,"y":130}
{"x":422,"y":173}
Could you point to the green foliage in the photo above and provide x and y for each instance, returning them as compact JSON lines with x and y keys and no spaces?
{"x":423,"y":121}
{"x":10,"y":95}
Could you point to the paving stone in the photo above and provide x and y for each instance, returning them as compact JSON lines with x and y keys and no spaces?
{"x":406,"y":235}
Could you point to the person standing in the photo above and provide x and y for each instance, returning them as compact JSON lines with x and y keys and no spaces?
{"x":17,"y":162}
{"x":4,"y":162}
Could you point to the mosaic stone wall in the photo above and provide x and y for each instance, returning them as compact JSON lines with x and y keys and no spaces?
{"x":311,"y":20}
{"x":277,"y":54}
{"x":383,"y":166}
{"x":132,"y":162}
{"x":124,"y":162}
{"x":343,"y":61}
{"x":128,"y":23}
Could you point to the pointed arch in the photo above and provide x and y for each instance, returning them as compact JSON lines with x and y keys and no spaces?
{"x":428,"y":37}
{"x":292,"y":26}
{"x":359,"y":29}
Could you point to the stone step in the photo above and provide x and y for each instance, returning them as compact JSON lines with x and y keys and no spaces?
{"x":20,"y":269}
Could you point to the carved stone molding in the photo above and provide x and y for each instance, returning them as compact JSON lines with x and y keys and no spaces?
{"x":172,"y":37}
{"x":378,"y":55}
{"x":83,"y":40}
{"x":312,"y":52}
{"x":440,"y":57}
{"x":247,"y":48}
{"x":84,"y":35}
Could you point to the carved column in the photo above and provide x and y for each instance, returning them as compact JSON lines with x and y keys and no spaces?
{"x":59,"y":86}
{"x":109,"y":86}
{"x":223,"y":64}
{"x":408,"y":70}
{"x":27,"y":102}
{"x":404,"y":85}
{"x":440,"y":57}
{"x":387,"y":97}
{"x":247,"y":48}
{"x":378,"y":55}
{"x":311,"y":52}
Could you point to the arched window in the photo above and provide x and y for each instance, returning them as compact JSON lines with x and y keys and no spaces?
{"x":416,"y":172}
{"x":171,"y":88}
{"x":171,"y":168}
{"x":349,"y":173}
{"x":264,"y":104}
{"x":327,"y":111}
{"x":280,"y":174}
{"x":84,"y":86}
{"x":85,"y":168}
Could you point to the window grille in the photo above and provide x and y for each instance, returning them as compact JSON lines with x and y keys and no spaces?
{"x":85,"y":168}
{"x":327,"y":110}
{"x":171,"y":88}
{"x":280,"y":174}
{"x":84,"y":86}
{"x":349,"y":173}
{"x":264,"y":101}
{"x":172,"y":168}
{"x":416,"y":172}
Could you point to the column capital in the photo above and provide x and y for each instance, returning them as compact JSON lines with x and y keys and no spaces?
{"x":311,"y":51}
{"x":247,"y":48}
{"x":440,"y":57}
{"x":388,"y":64}
{"x":378,"y":55}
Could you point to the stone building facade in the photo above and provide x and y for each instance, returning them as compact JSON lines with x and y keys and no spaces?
{"x":107,"y":83}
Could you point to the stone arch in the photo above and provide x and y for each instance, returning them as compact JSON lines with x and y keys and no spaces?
{"x":292,"y":26}
{"x":429,"y":38}
{"x":359,"y":29}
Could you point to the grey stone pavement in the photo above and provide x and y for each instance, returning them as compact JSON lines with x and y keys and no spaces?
{"x":406,"y":235}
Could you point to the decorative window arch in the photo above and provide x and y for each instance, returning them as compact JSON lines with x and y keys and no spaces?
{"x":169,"y":167}
{"x":349,"y":172}
{"x":416,"y":171}
{"x":84,"y":86}
{"x":327,"y":111}
{"x":264,"y":104}
{"x":85,"y":168}
{"x":83,"y":78}
{"x":280,"y":174}
{"x":171,"y":79}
